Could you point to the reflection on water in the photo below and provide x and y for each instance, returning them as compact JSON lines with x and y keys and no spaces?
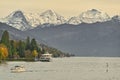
{"x":65,"y":69}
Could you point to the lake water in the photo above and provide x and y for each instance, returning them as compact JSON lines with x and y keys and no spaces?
{"x":74,"y":68}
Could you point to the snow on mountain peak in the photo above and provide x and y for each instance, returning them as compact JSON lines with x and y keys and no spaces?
{"x":16,"y":14}
{"x":47,"y":17}
{"x":116,"y":18}
{"x":52,"y":17}
{"x":94,"y":10}
{"x":90,"y":16}
{"x":33,"y":19}
{"x":48,"y":12}
{"x":17,"y":20}
{"x":23,"y":21}
{"x":93,"y":15}
{"x":74,"y":20}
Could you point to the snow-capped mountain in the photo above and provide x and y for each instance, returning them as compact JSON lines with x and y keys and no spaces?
{"x":74,"y":20}
{"x":17,"y":20}
{"x":47,"y":17}
{"x":23,"y":21}
{"x":33,"y":19}
{"x":116,"y":18}
{"x":52,"y":17}
{"x":90,"y":16}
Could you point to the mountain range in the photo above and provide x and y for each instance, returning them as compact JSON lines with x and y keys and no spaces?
{"x":24,"y":21}
{"x":92,"y":33}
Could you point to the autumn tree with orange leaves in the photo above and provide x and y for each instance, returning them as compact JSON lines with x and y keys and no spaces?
{"x":3,"y":52}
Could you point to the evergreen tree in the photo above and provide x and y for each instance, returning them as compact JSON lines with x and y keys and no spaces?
{"x":21,"y":49}
{"x":5,"y":38}
{"x":34,"y":45}
{"x":39,"y":51}
{"x":43,"y":51}
{"x":12,"y":48}
{"x":28,"y":46}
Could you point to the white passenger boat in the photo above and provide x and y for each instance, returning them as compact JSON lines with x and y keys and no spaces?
{"x":18,"y":69}
{"x":46,"y":57}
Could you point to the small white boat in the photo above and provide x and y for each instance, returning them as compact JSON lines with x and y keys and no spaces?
{"x":18,"y":69}
{"x":46,"y":57}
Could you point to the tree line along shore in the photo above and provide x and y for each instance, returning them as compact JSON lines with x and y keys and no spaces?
{"x":25,"y":50}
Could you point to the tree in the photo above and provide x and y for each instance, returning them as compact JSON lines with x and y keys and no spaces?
{"x":5,"y":41}
{"x":35,"y":53}
{"x":33,"y":45}
{"x":5,"y":38}
{"x":43,"y":51}
{"x":15,"y":55}
{"x":12,"y":48}
{"x":3,"y":52}
{"x":28,"y":46}
{"x":28,"y":54}
{"x":39,"y":51}
{"x":21,"y":49}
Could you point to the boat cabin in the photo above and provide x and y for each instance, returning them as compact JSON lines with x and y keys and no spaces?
{"x":46,"y":57}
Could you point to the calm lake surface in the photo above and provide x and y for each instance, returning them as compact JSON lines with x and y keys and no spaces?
{"x":74,"y":68}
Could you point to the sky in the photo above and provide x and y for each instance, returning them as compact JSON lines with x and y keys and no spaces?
{"x":66,"y":8}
